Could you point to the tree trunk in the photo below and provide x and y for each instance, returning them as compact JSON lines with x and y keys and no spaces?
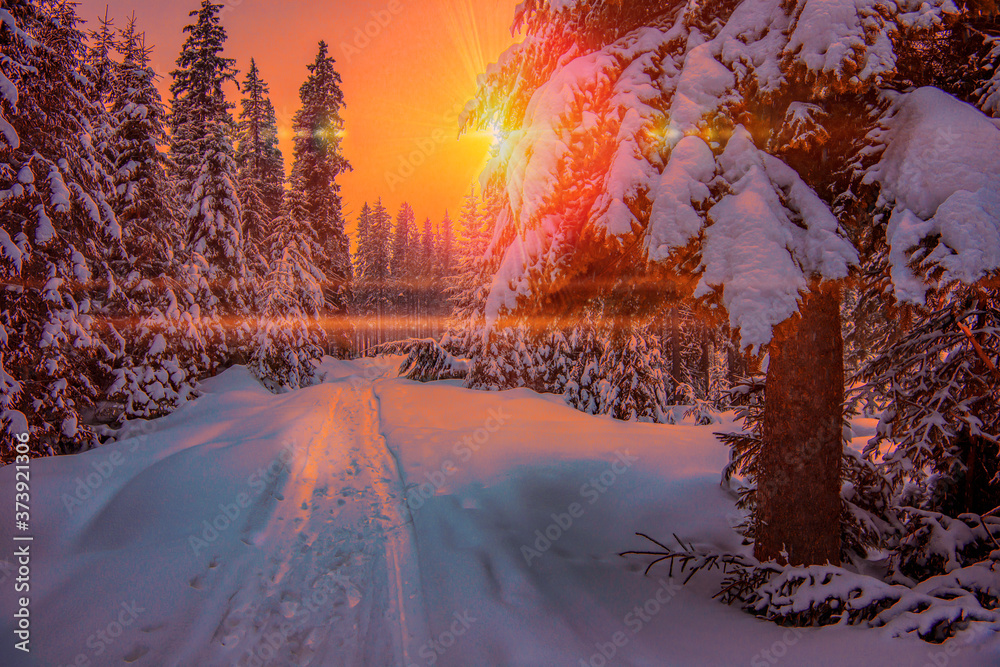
{"x":798,"y":491}
{"x":675,"y":354}
{"x":706,"y":361}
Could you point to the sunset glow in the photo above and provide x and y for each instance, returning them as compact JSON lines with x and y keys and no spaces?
{"x":408,"y":68}
{"x":499,"y":333}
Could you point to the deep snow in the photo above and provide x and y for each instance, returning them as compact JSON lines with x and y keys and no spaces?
{"x":377,"y":521}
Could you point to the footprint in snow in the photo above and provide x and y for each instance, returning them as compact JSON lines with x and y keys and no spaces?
{"x":353,"y":596}
{"x":136,"y":652}
{"x":288,"y":608}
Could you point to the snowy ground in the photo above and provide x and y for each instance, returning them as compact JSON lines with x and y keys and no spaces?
{"x":372,"y":521}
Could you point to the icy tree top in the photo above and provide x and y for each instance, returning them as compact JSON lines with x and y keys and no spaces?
{"x":658,"y":139}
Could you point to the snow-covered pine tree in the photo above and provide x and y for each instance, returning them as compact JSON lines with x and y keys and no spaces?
{"x":372,"y":264}
{"x":400,"y":270}
{"x":465,"y":289}
{"x":727,"y":139}
{"x":930,"y":340}
{"x":260,"y":164}
{"x":588,"y":344}
{"x":143,"y":194}
{"x":633,"y":387}
{"x":937,"y":258}
{"x":430,"y":285}
{"x":287,"y":342}
{"x":467,"y":308}
{"x":414,"y":266}
{"x":201,"y":147}
{"x":556,"y":359}
{"x":939,"y":387}
{"x":401,"y":236}
{"x":505,"y":360}
{"x":194,"y":101}
{"x":103,"y":70}
{"x":318,"y":163}
{"x":446,"y":246}
{"x":159,"y":319}
{"x":168,"y":349}
{"x":57,"y":229}
{"x":361,"y":324}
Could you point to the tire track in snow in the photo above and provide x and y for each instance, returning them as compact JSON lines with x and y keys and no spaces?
{"x":405,"y":589}
{"x":338,"y":535}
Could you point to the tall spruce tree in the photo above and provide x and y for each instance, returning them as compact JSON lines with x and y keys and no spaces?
{"x":318,"y":163}
{"x":374,"y":257}
{"x":446,"y":246}
{"x":143,"y":192}
{"x":102,"y":69}
{"x":164,"y":351}
{"x":58,"y":229}
{"x":744,"y":192}
{"x":202,"y":132}
{"x":401,"y":271}
{"x":287,"y":341}
{"x":359,"y":294}
{"x":466,"y":289}
{"x":427,"y":282}
{"x":401,"y":240}
{"x":261,"y":167}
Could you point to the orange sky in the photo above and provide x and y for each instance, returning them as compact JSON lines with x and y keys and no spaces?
{"x":403,"y":89}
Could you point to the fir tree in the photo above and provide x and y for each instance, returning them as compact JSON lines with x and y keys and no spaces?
{"x":318,"y":164}
{"x":202,"y":132}
{"x":58,"y":228}
{"x":401,"y":270}
{"x":427,"y":244}
{"x":430,"y":283}
{"x":937,"y":388}
{"x":401,"y":239}
{"x":378,"y":277}
{"x":198,"y":98}
{"x":142,"y":188}
{"x":164,"y":353}
{"x":261,"y":167}
{"x":363,"y":333}
{"x":446,"y":246}
{"x":747,"y":197}
{"x":103,"y":71}
{"x":287,"y":343}
{"x":467,"y":288}
{"x":373,"y":295}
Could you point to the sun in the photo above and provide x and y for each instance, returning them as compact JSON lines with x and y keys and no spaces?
{"x":495,"y":132}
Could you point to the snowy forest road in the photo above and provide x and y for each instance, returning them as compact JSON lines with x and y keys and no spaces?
{"x":245,"y":530}
{"x":249,"y":529}
{"x":335,"y":577}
